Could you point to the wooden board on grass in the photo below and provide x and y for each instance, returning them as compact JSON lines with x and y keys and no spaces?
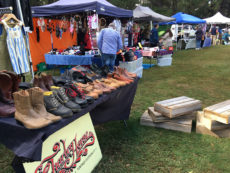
{"x":177,"y":125}
{"x":177,"y":106}
{"x":224,"y":133}
{"x":209,"y":123}
{"x":158,"y":117}
{"x":219,"y":112}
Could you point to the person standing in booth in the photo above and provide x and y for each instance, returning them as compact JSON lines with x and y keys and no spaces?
{"x":199,"y":34}
{"x":213,"y":33}
{"x":154,"y":37}
{"x":109,"y":43}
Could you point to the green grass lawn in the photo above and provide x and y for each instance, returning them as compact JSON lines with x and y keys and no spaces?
{"x":203,"y":75}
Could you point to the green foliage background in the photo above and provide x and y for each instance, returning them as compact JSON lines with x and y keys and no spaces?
{"x":199,"y":8}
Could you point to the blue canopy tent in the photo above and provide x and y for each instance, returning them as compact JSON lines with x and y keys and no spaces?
{"x":75,"y":6}
{"x":183,"y":18}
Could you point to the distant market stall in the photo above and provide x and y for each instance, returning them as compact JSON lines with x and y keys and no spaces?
{"x":181,"y":19}
{"x":218,"y":18}
{"x":140,"y":14}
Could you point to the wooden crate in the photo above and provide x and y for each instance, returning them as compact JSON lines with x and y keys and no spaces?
{"x":177,"y":106}
{"x":209,"y":123}
{"x":158,"y":117}
{"x":219,"y":112}
{"x":177,"y":125}
{"x":224,"y":133}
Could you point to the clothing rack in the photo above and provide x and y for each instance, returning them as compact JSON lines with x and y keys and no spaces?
{"x":7,"y":10}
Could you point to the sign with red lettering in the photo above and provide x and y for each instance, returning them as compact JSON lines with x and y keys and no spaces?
{"x":74,"y":148}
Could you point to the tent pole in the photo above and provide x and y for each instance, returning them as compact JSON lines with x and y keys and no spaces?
{"x":27,"y":38}
{"x":176,"y":31}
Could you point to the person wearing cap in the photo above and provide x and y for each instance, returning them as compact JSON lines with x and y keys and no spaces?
{"x":109,"y":43}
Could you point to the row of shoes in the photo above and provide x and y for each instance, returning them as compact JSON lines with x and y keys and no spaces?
{"x":81,"y":74}
{"x":9,"y":83}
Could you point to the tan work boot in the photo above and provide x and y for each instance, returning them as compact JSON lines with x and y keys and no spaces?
{"x":37,"y":102}
{"x":25,"y":112}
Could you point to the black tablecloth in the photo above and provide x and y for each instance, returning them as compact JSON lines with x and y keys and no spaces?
{"x":28,"y":143}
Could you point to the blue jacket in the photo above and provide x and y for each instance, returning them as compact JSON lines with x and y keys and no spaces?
{"x":154,"y":36}
{"x":109,"y":41}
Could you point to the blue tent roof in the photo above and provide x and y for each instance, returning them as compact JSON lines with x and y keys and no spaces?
{"x":75,"y":6}
{"x":185,"y":18}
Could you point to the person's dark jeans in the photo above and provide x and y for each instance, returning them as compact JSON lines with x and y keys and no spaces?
{"x":109,"y":60}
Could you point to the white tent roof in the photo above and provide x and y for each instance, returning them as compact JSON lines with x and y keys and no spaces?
{"x":218,"y":18}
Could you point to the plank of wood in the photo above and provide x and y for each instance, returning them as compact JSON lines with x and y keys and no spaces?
{"x":178,"y":102}
{"x":171,"y":100}
{"x":218,"y":105}
{"x":186,"y":110}
{"x":181,"y":108}
{"x":215,"y":117}
{"x":158,"y":117}
{"x":224,"y":133}
{"x":223,"y":109}
{"x":209,"y":123}
{"x":193,"y":102}
{"x":204,"y":131}
{"x":179,"y":125}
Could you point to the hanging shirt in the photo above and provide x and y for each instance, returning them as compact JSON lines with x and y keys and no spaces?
{"x":26,"y":10}
{"x":109,"y":41}
{"x":17,"y":48}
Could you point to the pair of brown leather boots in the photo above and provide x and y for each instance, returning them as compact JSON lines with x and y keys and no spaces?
{"x":30,"y":109}
{"x":123,"y":75}
{"x":9,"y":83}
{"x":44,"y":81}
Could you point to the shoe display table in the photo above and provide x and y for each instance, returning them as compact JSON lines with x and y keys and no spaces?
{"x":27,"y":143}
{"x":68,"y":59}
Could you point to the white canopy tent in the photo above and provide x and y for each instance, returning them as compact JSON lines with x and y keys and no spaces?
{"x":218,"y":18}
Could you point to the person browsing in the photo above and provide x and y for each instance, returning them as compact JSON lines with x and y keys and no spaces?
{"x":154,"y":38}
{"x":109,"y":43}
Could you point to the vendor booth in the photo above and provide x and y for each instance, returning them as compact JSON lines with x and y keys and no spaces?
{"x":49,"y":124}
{"x":145,"y":14}
{"x":77,"y":22}
{"x":181,"y":19}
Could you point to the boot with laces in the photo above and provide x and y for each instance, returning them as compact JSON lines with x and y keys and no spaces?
{"x":63,"y":99}
{"x":73,"y":96}
{"x":53,"y":106}
{"x":81,"y":93}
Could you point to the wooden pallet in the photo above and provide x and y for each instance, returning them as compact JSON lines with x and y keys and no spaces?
{"x":177,"y":125}
{"x":159,"y":118}
{"x":178,"y":106}
{"x":219,"y":112}
{"x":209,"y":123}
{"x":224,"y":133}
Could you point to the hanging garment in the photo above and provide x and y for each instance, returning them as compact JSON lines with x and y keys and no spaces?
{"x":117,"y":25}
{"x":26,"y":10}
{"x":4,"y":54}
{"x":87,"y":40}
{"x":17,"y":48}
